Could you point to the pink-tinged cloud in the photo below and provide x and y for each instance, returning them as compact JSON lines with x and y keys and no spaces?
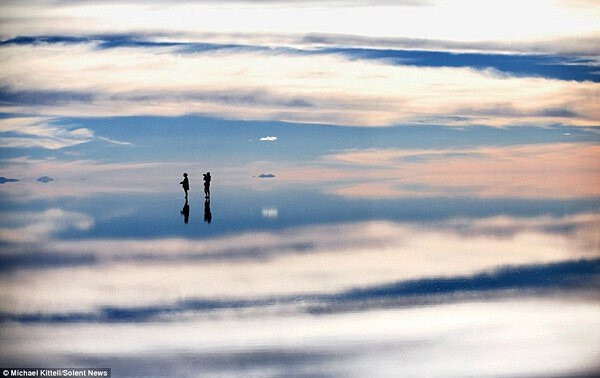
{"x":558,"y":170}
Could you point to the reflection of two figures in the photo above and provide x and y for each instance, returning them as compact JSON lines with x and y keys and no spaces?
{"x":186,"y":211}
{"x":186,"y":207}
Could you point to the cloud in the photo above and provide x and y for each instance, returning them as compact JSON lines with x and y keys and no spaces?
{"x":282,"y":361}
{"x":514,"y":290}
{"x":574,"y":46}
{"x":269,"y":212}
{"x":513,"y":171}
{"x":40,"y":132}
{"x":45,"y":179}
{"x":266,"y":175}
{"x":557,"y":66}
{"x":384,"y":252}
{"x":42,"y":97}
{"x":13,"y":98}
{"x":534,"y":65}
{"x":564,"y":274}
{"x":547,"y":278}
{"x":268,"y":139}
{"x":4,"y":180}
{"x":517,"y":335}
{"x":84,"y":178}
{"x":112,"y":141}
{"x":279,"y":85}
{"x":194,"y":41}
{"x":45,"y":132}
{"x":435,"y":20}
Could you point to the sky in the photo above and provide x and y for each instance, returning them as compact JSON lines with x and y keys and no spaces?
{"x":421,"y":62}
{"x":394,"y":183}
{"x":81,"y":77}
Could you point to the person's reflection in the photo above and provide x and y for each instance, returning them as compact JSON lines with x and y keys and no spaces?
{"x":186,"y":211}
{"x":207,"y":213}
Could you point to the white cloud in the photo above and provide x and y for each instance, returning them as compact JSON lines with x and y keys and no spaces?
{"x":458,"y":21}
{"x":44,"y":132}
{"x":41,"y":132}
{"x":302,"y":88}
{"x":112,"y":141}
{"x":268,"y":139}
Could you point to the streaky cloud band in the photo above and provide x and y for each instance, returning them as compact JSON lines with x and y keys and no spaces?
{"x":556,"y":66}
{"x":546,"y":278}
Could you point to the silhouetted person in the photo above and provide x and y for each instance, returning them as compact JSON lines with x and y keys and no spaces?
{"x":185,"y":184}
{"x":207,"y":184}
{"x":186,"y":212}
{"x":207,"y":213}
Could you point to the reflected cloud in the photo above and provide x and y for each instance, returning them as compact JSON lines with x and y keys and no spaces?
{"x":517,"y":335}
{"x":269,"y":212}
{"x":250,"y":265}
{"x":28,"y":226}
{"x":508,"y":281}
{"x":265,"y":361}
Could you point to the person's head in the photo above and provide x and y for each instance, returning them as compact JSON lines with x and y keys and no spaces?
{"x":208,"y":173}
{"x":185,"y":175}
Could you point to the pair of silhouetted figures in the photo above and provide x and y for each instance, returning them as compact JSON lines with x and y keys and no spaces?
{"x":186,"y":184}
{"x":186,"y":207}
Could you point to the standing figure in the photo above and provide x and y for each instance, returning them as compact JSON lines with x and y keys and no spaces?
{"x":185,"y":184}
{"x":207,"y":184}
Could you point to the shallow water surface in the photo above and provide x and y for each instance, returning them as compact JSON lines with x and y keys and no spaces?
{"x":357,"y":263}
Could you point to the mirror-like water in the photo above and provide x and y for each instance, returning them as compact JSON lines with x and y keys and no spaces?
{"x":359,"y":259}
